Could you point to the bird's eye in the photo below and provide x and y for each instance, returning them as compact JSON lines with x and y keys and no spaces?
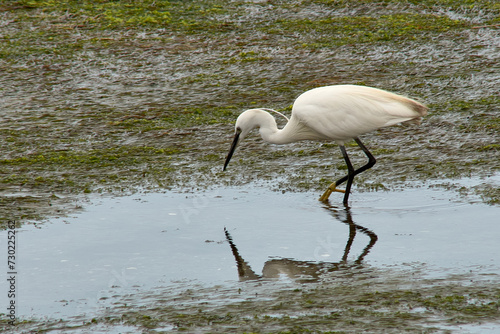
{"x":238,"y":129}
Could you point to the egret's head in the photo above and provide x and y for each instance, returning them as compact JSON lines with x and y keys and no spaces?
{"x":246,"y":122}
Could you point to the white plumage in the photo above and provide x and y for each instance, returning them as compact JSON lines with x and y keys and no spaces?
{"x":336,"y":113}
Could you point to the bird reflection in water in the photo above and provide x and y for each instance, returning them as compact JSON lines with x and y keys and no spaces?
{"x":307,"y":271}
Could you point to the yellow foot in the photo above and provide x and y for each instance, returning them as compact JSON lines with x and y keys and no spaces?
{"x":328,"y":192}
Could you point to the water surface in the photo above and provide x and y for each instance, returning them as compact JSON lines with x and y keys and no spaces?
{"x":123,"y":245}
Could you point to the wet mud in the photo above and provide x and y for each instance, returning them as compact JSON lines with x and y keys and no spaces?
{"x":123,"y":98}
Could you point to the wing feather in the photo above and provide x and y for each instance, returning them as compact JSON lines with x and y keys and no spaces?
{"x":343,"y":112}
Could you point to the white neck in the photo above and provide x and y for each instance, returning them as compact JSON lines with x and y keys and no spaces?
{"x":292,"y":132}
{"x":269,"y":130}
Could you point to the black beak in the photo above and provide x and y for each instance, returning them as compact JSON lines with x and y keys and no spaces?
{"x":231,"y":150}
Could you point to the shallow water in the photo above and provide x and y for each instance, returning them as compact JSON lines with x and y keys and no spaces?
{"x":73,"y":266}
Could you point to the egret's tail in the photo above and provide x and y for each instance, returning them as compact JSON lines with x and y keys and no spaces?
{"x":419,"y":108}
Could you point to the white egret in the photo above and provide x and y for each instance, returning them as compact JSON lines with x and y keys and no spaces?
{"x":335,"y":113}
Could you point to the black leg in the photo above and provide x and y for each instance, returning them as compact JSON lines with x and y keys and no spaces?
{"x":351,"y":172}
{"x":371,"y":158}
{"x":371,"y":162}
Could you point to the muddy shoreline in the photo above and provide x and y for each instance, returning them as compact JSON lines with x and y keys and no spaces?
{"x":117,"y":98}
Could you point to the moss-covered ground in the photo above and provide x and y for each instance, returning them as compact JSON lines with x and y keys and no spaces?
{"x":120,"y":96}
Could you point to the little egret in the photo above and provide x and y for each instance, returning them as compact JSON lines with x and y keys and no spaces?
{"x":336,"y":113}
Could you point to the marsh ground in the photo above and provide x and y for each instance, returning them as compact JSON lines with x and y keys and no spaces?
{"x":122,"y":97}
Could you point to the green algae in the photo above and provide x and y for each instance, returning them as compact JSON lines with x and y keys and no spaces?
{"x":337,"y":31}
